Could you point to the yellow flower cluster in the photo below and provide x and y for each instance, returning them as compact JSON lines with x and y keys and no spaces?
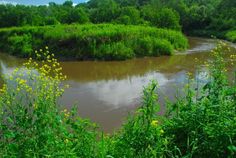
{"x":66,"y":113}
{"x":38,"y":80}
{"x":154,"y":123}
{"x":50,"y":71}
{"x":3,"y":89}
{"x":233,"y":59}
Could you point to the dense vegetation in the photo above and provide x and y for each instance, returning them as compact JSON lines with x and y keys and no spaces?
{"x":200,"y":124}
{"x":199,"y":17}
{"x":101,"y":41}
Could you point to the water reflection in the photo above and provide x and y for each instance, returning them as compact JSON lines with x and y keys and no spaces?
{"x":107,"y":91}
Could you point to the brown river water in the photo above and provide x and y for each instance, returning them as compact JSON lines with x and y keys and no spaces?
{"x":107,"y":91}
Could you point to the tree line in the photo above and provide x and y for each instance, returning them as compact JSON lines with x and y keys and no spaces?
{"x":172,"y":14}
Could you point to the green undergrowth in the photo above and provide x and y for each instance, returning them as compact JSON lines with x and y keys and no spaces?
{"x":202,"y":123}
{"x":93,"y":42}
{"x":231,"y":36}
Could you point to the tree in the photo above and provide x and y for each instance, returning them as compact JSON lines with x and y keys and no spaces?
{"x":129,"y":15}
{"x":105,"y":11}
{"x":68,"y":3}
{"x":77,"y":15}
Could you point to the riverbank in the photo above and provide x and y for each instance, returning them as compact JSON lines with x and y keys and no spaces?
{"x":92,"y":42}
{"x":229,"y":35}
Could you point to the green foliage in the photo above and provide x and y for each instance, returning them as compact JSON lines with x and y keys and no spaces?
{"x":21,"y":44}
{"x":21,"y":15}
{"x":32,"y":124}
{"x":118,"y":51}
{"x":129,"y":16}
{"x":205,"y":126}
{"x":231,"y":36}
{"x":198,"y":17}
{"x":141,"y":136}
{"x":161,"y":18}
{"x":104,"y":11}
{"x":150,"y":46}
{"x":103,"y":41}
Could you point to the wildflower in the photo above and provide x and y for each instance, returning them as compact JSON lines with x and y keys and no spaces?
{"x":2,"y":90}
{"x":21,"y":82}
{"x":162,"y":131}
{"x":154,"y":123}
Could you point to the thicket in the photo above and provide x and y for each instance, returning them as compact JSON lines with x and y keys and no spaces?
{"x":202,"y":123}
{"x":101,"y":41}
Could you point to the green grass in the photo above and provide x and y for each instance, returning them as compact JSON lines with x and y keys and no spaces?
{"x":202,"y":123}
{"x":89,"y":42}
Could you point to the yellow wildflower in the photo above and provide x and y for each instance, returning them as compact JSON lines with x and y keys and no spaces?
{"x":154,"y":123}
{"x":162,"y":131}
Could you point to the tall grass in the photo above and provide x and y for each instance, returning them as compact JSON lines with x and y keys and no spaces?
{"x":102,"y":41}
{"x":197,"y":125}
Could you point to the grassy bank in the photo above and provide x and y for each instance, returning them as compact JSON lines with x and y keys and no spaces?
{"x":86,"y":42}
{"x":200,"y":124}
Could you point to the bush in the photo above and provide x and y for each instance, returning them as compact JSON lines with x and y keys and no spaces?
{"x":21,"y":44}
{"x":231,"y":36}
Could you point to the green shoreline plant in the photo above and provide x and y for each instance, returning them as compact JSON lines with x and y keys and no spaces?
{"x":93,"y":42}
{"x":231,"y":36}
{"x":33,"y":125}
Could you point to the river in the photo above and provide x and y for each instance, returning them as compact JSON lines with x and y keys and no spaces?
{"x":107,"y":91}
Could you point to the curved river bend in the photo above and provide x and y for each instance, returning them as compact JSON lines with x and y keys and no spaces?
{"x":107,"y":91}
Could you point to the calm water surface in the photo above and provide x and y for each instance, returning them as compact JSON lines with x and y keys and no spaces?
{"x":107,"y":91}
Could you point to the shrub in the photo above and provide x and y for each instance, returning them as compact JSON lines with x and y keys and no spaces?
{"x":21,"y":44}
{"x":231,"y":36}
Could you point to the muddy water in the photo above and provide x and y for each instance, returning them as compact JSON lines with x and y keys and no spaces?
{"x":107,"y":91}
